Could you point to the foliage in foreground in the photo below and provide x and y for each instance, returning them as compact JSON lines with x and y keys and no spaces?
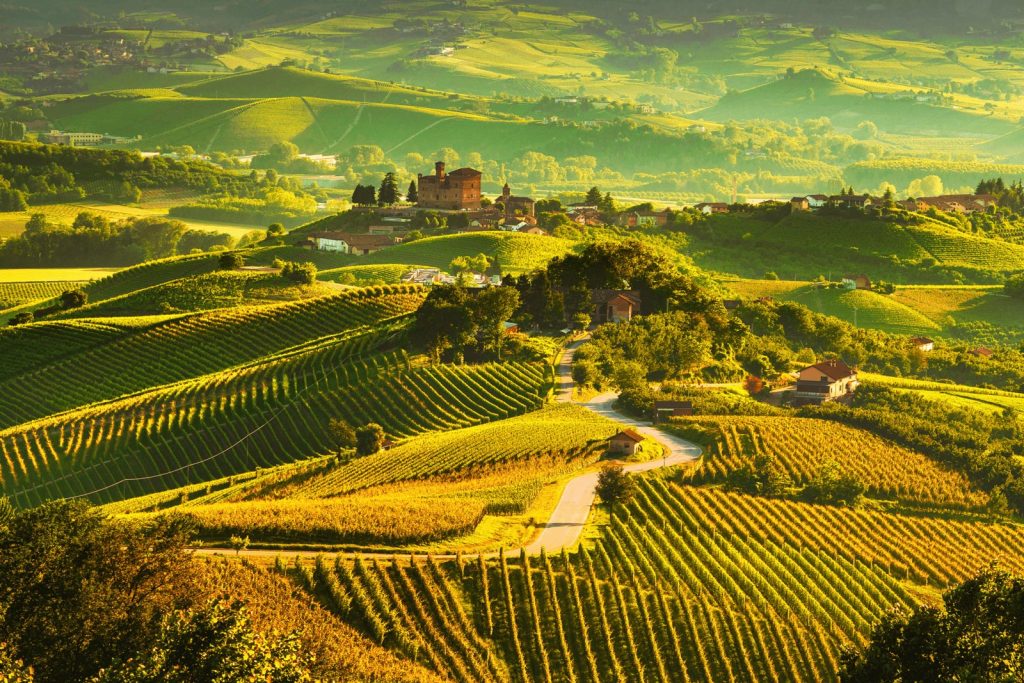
{"x":977,"y":635}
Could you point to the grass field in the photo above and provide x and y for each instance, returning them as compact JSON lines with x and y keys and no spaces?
{"x":12,"y":224}
{"x":947,"y":310}
{"x":843,"y":245}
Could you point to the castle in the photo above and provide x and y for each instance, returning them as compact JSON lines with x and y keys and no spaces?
{"x":455,"y":191}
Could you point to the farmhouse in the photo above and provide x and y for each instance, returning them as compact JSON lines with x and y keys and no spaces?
{"x":825,"y":381}
{"x":645,"y":219}
{"x":626,"y":442}
{"x":663,"y":410}
{"x":347,"y":243}
{"x":851,"y":281}
{"x":614,"y":305}
{"x":456,"y":191}
{"x":981,"y":352}
{"x":800,"y":204}
{"x":816,"y":201}
{"x":923,"y":343}
{"x":708,"y":208}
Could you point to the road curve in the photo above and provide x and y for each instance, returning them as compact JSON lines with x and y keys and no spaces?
{"x":566,"y":523}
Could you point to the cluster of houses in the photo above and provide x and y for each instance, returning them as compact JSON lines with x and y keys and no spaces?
{"x":435,"y":276}
{"x":950,"y":203}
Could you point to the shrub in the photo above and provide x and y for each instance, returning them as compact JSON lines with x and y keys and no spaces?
{"x":230,"y":261}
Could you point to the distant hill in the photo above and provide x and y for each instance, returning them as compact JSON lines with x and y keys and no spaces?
{"x":811,"y":93}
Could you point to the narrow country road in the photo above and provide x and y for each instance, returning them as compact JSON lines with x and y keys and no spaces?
{"x":564,"y":527}
{"x":566,"y":524}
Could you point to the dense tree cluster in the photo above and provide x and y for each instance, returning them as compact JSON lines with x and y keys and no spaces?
{"x":51,"y":173}
{"x":92,"y":240}
{"x":975,"y":635}
{"x":87,"y":598}
{"x":455,"y":322}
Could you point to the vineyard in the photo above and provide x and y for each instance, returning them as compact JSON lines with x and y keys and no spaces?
{"x":132,"y":279}
{"x":802,"y":446}
{"x":687,"y":584}
{"x":262,"y":415}
{"x":18,"y":293}
{"x":203,"y":292}
{"x":195,"y":345}
{"x":432,"y":487}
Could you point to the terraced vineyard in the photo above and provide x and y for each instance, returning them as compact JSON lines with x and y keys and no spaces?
{"x":135,"y":278}
{"x":194,"y":345}
{"x":208,"y":291}
{"x":563,"y":429}
{"x":688,"y":584}
{"x":239,"y":420}
{"x":388,"y":273}
{"x":802,"y":446}
{"x":18,"y":293}
{"x":30,"y":346}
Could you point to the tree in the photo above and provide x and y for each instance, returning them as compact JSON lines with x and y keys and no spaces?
{"x":22,"y":318}
{"x":470,"y":264}
{"x":581,"y":321}
{"x":614,"y":486}
{"x":302,"y":273}
{"x":341,"y":433}
{"x":369,"y":439}
{"x":412,"y":195}
{"x":763,"y":476}
{"x":230,"y":260}
{"x":11,"y":669}
{"x":283,"y":151}
{"x":388,"y":194}
{"x":975,"y":635}
{"x":275,"y":230}
{"x":73,"y":298}
{"x":238,"y":543}
{"x":218,"y":643}
{"x":1014,"y":286}
{"x":492,"y":307}
{"x":830,"y":486}
{"x":594,"y":197}
{"x":79,"y":591}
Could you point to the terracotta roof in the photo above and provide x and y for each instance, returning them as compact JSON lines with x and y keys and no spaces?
{"x":368,"y":241}
{"x":465,"y":172}
{"x":922,"y":340}
{"x":629,"y":434}
{"x":833,"y":369}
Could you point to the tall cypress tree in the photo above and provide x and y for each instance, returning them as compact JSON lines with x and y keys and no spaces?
{"x":412,"y":195}
{"x":388,"y":194}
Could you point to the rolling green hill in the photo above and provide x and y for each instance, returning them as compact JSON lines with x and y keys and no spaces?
{"x":812,"y":93}
{"x":803,"y":246}
{"x":511,"y":252}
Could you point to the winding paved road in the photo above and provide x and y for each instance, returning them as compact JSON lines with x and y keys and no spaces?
{"x":564,"y":527}
{"x":566,"y":524}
